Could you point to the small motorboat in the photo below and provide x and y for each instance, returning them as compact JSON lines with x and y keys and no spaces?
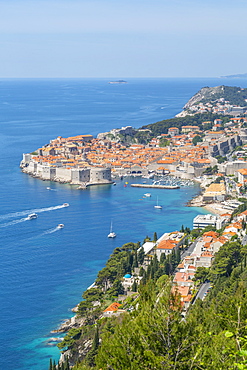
{"x":32,"y":216}
{"x":66,"y":204}
{"x":60,"y":226}
{"x":147,"y":195}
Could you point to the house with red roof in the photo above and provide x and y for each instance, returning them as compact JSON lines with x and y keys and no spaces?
{"x":110,"y":310}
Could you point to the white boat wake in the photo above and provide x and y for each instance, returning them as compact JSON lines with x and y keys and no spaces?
{"x":29,"y":211}
{"x":14,"y":222}
{"x":51,"y":231}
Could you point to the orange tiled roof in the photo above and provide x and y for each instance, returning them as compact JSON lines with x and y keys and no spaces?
{"x":167,"y":244}
{"x":213,"y":234}
{"x":113,"y":307}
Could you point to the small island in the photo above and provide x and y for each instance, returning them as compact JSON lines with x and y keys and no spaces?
{"x":118,"y":82}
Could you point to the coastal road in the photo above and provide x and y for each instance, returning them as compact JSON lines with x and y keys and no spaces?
{"x":190,"y":250}
{"x":202,"y":292}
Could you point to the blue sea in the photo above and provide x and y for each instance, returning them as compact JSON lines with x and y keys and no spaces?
{"x":43,"y":269}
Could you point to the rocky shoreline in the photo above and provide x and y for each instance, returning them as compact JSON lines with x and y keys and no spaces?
{"x":73,"y":322}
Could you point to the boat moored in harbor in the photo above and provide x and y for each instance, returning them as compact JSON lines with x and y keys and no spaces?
{"x":157,"y":205}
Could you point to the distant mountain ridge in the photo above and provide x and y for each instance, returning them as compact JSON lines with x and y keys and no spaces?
{"x":240,"y":75}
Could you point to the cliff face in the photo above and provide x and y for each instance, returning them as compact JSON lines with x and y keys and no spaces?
{"x":205,"y":94}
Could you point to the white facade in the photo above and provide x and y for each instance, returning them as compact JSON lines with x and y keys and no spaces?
{"x":202,"y":221}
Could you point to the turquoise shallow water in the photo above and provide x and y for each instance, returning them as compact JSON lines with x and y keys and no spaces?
{"x":43,"y":270}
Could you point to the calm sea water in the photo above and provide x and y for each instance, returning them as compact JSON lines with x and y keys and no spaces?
{"x":43,"y":270}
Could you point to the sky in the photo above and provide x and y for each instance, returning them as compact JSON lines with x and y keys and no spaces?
{"x":116,"y":38}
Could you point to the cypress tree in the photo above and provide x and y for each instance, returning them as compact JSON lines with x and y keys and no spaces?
{"x":148,"y":271}
{"x":135,"y":261}
{"x":131,"y":259}
{"x":142,"y":271}
{"x":167,"y":267}
{"x":67,"y":364}
{"x":162,"y":258}
{"x":155,"y":263}
{"x":90,"y":359}
{"x":173,"y":259}
{"x":144,"y":278}
{"x":141,"y":255}
{"x":155,"y":237}
{"x":178,"y":257}
{"x":134,"y":286}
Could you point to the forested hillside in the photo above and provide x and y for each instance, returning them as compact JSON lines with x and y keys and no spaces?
{"x":162,"y":127}
{"x":154,"y":334}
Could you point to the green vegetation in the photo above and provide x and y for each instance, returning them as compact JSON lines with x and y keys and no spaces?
{"x":241,"y":208}
{"x":154,"y":336}
{"x":164,"y":142}
{"x":233,"y":94}
{"x":162,"y":127}
{"x":210,"y":170}
{"x":196,"y":139}
{"x":221,"y":159}
{"x":143,"y":137}
{"x":63,"y":366}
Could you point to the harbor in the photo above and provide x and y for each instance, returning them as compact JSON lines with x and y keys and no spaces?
{"x":165,"y":182}
{"x":155,"y":186}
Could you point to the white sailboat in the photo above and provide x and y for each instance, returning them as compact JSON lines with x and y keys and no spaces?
{"x":157,"y":205}
{"x":111,"y":234}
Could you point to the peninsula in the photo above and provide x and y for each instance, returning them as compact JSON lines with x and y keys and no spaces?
{"x":151,"y":287}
